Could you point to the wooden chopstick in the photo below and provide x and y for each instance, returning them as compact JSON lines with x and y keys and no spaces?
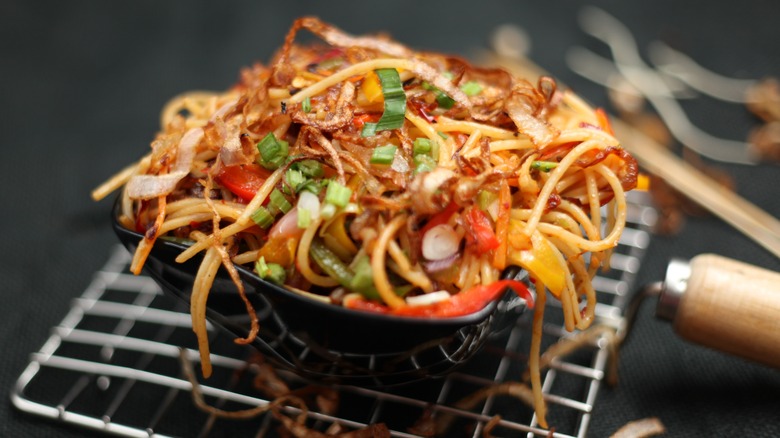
{"x":752,"y":221}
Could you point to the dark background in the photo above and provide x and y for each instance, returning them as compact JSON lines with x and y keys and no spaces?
{"x":82,"y":83}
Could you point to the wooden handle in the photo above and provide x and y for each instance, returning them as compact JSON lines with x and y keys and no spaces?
{"x":733,"y":307}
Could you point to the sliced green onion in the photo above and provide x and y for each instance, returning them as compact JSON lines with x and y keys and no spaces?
{"x":337,"y":194}
{"x":279,"y":201}
{"x":273,"y":152}
{"x":471,"y":88}
{"x":327,"y":211}
{"x":383,"y":154}
{"x":544,"y":166}
{"x":443,"y":135}
{"x":423,"y":163}
{"x":444,"y":101}
{"x":363,"y":280}
{"x":310,"y":168}
{"x":270,"y":271}
{"x":330,"y":63}
{"x":422,"y":145}
{"x":395,"y":103}
{"x":179,"y":240}
{"x":485,"y":198}
{"x":311,"y":185}
{"x":304,"y":218}
{"x":294,"y":179}
{"x":262,"y":217}
{"x":306,"y":104}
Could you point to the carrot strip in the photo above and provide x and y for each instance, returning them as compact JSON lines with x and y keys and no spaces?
{"x":502,"y":225}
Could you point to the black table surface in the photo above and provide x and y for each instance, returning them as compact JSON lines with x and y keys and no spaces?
{"x":82,"y":83}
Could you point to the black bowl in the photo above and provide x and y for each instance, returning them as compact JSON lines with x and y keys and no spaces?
{"x":323,"y":342}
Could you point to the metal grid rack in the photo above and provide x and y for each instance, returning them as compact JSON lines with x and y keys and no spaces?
{"x":112,"y":365}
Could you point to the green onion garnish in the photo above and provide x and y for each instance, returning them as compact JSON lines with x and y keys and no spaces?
{"x":273,"y":152}
{"x":262,"y":217}
{"x":471,"y":88}
{"x":304,"y":218}
{"x":485,"y":198}
{"x":306,"y":104}
{"x":395,"y":103}
{"x":270,"y":271}
{"x":279,"y":201}
{"x":337,"y":194}
{"x":544,"y":166}
{"x":423,"y":163}
{"x":327,"y":211}
{"x":383,"y":154}
{"x":310,"y":168}
{"x":294,"y":179}
{"x":422,"y":145}
{"x":444,"y":101}
{"x":363,"y":281}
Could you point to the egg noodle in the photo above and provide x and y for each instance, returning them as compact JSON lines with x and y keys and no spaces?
{"x":364,"y":174}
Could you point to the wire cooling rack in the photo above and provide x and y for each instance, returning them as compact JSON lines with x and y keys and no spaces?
{"x":112,"y":365}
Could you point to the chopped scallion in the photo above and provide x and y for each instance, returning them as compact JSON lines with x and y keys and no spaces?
{"x":383,"y":154}
{"x":444,"y":101}
{"x":262,"y":217}
{"x":273,"y":152}
{"x":279,"y":201}
{"x":327,"y":211}
{"x":363,"y":280}
{"x":304,"y":218}
{"x":306,"y":104}
{"x":471,"y":88}
{"x":310,"y":168}
{"x":423,"y":163}
{"x":270,"y":271}
{"x":485,"y":198}
{"x":544,"y":166}
{"x":311,"y":185}
{"x":395,"y":103}
{"x":294,"y":179}
{"x":422,"y":145}
{"x":337,"y":194}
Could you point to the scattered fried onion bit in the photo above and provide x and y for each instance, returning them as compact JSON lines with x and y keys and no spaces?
{"x":292,"y":426}
{"x":641,"y":428}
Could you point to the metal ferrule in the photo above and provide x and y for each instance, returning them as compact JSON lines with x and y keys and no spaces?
{"x":677,"y":274}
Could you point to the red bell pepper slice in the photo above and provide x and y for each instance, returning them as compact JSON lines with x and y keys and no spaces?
{"x":243,"y":180}
{"x":464,"y":303}
{"x":479,"y":233}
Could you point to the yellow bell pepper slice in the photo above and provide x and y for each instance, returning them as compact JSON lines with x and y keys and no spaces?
{"x":539,"y":260}
{"x":372,"y":89}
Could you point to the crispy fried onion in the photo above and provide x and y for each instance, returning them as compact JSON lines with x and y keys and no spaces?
{"x":527,"y":106}
{"x":152,"y":186}
{"x":317,"y":136}
{"x":278,"y":407}
{"x":341,"y":117}
{"x":283,"y":72}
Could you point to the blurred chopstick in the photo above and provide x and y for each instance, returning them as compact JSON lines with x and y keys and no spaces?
{"x":752,"y":221}
{"x":746,"y":217}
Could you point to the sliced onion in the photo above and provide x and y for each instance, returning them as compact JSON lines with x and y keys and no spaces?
{"x":429,"y":298}
{"x":152,"y":186}
{"x":440,"y":265}
{"x":440,"y":242}
{"x":287,"y":226}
